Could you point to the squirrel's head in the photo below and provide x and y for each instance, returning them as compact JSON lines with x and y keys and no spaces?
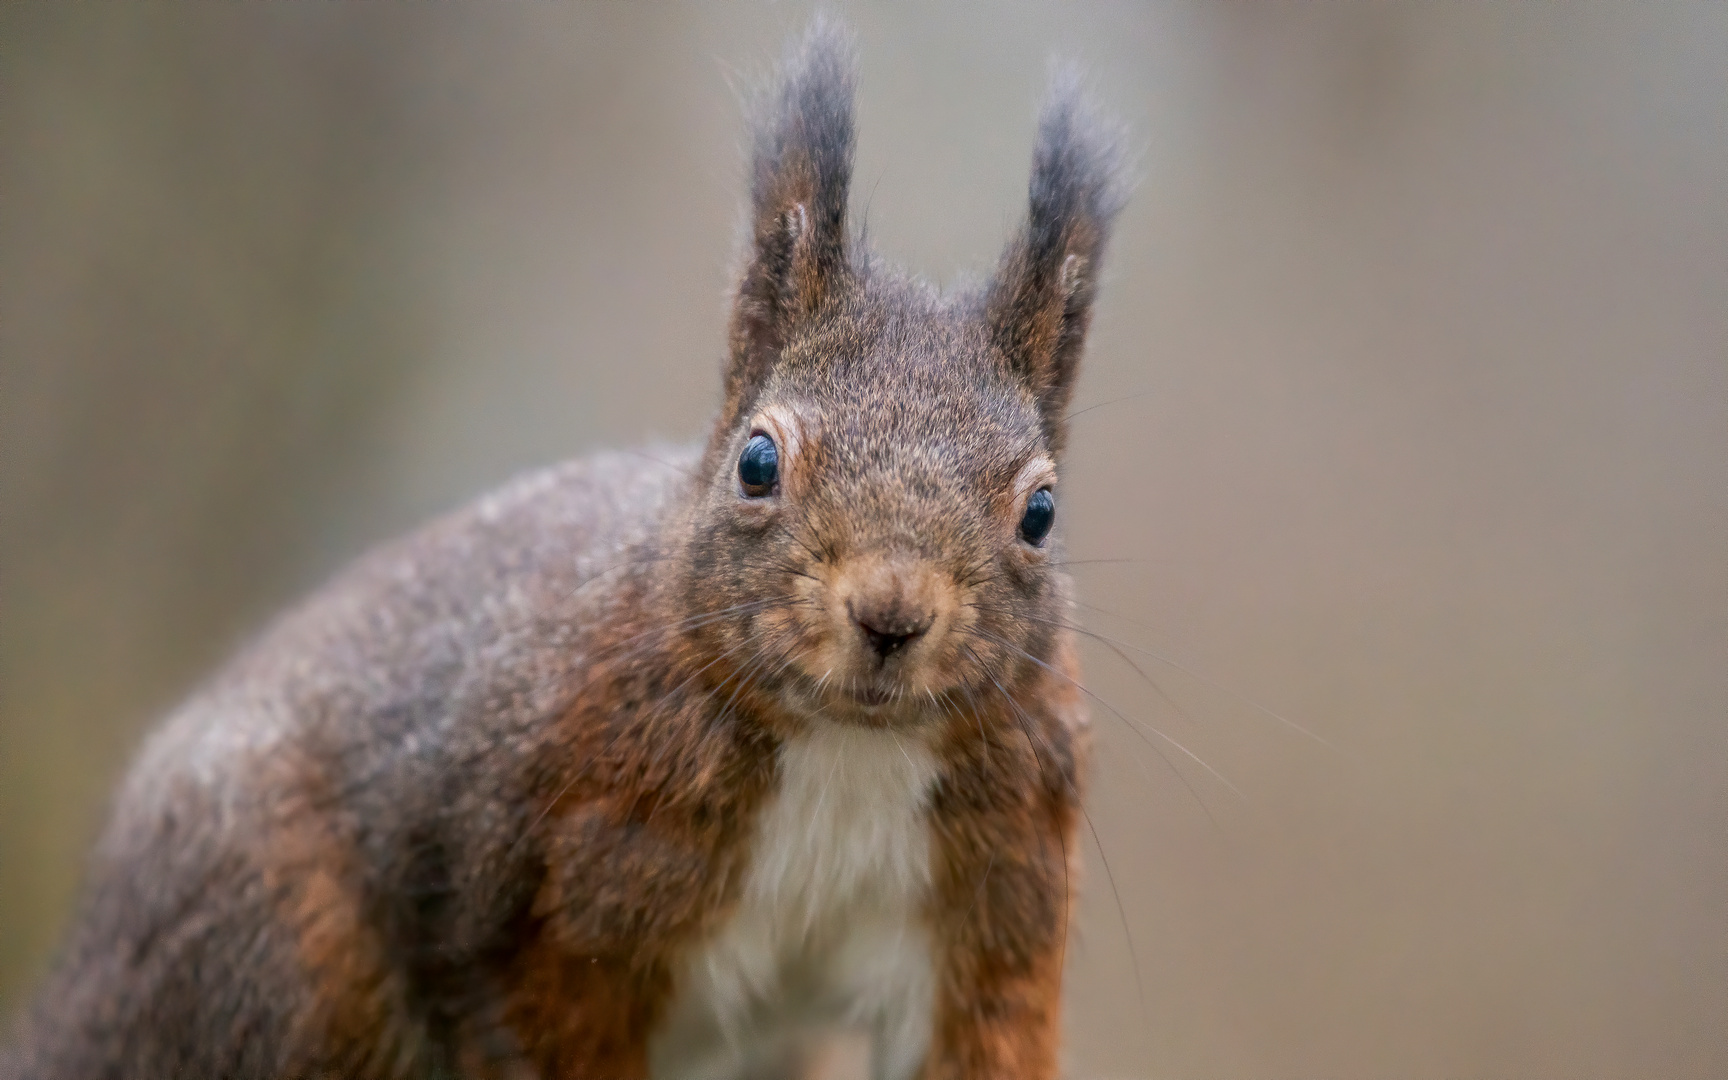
{"x":877,"y":532}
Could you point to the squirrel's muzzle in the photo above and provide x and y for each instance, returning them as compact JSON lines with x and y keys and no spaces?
{"x":890,"y":606}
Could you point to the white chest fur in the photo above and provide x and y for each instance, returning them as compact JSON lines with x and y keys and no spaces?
{"x":829,"y":929}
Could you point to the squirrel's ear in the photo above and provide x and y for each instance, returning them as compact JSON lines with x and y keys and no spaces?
{"x":801,"y":166}
{"x":1040,"y":303}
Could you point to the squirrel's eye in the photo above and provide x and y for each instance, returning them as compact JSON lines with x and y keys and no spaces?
{"x":1040,"y":515}
{"x":758,"y":467}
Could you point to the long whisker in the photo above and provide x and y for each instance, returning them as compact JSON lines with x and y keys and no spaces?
{"x":1110,"y":875}
{"x":1135,"y":728}
{"x":983,"y":880}
{"x":693,"y":621}
{"x":691,"y":473}
{"x":743,"y":674}
{"x":1112,"y":401}
{"x":1084,"y":689}
{"x":750,"y":670}
{"x":607,"y":749}
{"x":620,"y":565}
{"x":976,"y":573}
{"x":1108,"y":643}
{"x":1191,"y":673}
{"x":624,"y":728}
{"x":1043,"y":770}
{"x":827,"y":782}
{"x":1138,"y":760}
{"x":1121,"y":912}
{"x":1027,"y":726}
{"x":1101,"y":562}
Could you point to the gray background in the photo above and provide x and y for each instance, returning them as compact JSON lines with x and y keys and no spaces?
{"x":1427,"y":312}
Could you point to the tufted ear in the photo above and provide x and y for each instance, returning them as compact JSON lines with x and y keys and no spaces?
{"x":801,"y":167}
{"x":1040,"y":303}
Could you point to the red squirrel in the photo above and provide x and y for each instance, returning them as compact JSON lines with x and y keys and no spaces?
{"x":638,"y":768}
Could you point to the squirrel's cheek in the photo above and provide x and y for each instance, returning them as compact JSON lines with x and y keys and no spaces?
{"x":749,"y":520}
{"x":1026,"y":569}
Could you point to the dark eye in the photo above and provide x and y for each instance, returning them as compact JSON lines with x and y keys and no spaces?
{"x":758,"y":467}
{"x":1040,"y":515}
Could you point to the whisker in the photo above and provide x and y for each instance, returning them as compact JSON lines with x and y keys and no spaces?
{"x":749,"y":671}
{"x":1102,"y":562}
{"x":1027,"y":726}
{"x":691,"y":473}
{"x":621,"y":565}
{"x":1191,"y":673}
{"x":1112,"y":401}
{"x":975,"y":574}
{"x":827,"y":782}
{"x":693,"y":621}
{"x":1084,"y":689}
{"x":1043,"y":770}
{"x":1134,"y":728}
{"x":1108,"y":643}
{"x":1138,"y":760}
{"x":782,"y":567}
{"x":983,"y":880}
{"x":623,"y":730}
{"x":902,"y":748}
{"x":804,"y":520}
{"x":1121,"y":912}
{"x":743,"y":674}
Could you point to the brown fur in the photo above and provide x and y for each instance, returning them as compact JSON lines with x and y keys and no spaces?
{"x":309,"y":868}
{"x":471,"y":807}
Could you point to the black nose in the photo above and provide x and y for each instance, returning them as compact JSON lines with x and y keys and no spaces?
{"x":889,"y":635}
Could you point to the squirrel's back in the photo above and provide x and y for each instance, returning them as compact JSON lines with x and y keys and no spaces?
{"x":365,"y":762}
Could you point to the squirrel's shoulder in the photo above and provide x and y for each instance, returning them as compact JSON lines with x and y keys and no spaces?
{"x":490,"y":603}
{"x":587,"y":505}
{"x":536,"y":550}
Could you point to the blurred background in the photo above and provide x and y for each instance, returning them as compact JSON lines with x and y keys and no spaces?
{"x":1415,"y":348}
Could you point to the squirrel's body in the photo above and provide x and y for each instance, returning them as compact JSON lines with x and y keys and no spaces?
{"x":643,"y":764}
{"x":348,"y":800}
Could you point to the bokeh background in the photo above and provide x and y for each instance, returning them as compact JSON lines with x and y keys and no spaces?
{"x":1415,"y":339}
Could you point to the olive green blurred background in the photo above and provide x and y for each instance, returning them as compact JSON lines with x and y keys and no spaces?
{"x":1416,"y":334}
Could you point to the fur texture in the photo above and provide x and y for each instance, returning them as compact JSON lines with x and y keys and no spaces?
{"x":624,"y":766}
{"x":829,"y":928}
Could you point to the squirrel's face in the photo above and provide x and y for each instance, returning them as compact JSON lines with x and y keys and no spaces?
{"x":880,"y":522}
{"x":875,"y":537}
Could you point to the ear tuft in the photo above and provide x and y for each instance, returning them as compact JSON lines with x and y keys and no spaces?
{"x":801,"y":130}
{"x":1040,"y":303}
{"x":800,"y":172}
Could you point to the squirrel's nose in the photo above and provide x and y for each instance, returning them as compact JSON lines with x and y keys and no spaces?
{"x":892,"y":602}
{"x":890,"y":631}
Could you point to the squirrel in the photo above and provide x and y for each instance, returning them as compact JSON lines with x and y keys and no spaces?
{"x":641,"y":767}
